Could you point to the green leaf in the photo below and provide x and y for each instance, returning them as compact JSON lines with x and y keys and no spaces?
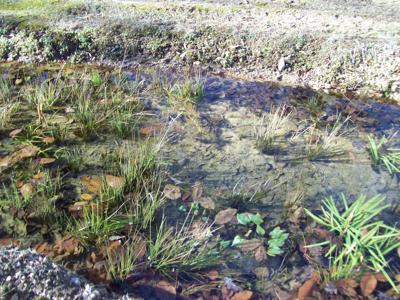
{"x":225,"y":244}
{"x":260,"y":230}
{"x":237,"y":241}
{"x":256,"y":219}
{"x":244,"y":219}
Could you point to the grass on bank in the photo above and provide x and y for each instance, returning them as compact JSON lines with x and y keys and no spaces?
{"x":365,"y":242}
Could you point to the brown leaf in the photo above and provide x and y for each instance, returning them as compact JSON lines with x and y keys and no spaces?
{"x":67,"y":245}
{"x":172,"y":192}
{"x":380,"y":277}
{"x":368,"y":284}
{"x":26,"y":190}
{"x":347,"y":287}
{"x":77,"y":206}
{"x":307,"y":288}
{"x":165,"y":290}
{"x":213,"y":275}
{"x":25,"y":152}
{"x":46,"y":161}
{"x":243,"y":295}
{"x":250,"y":245}
{"x":115,"y":181}
{"x":206,"y":202}
{"x":225,"y":216}
{"x":86,"y":197}
{"x":92,"y":183}
{"x":261,"y":272}
{"x":197,"y":191}
{"x":39,"y":176}
{"x":261,"y":254}
{"x":15,"y":132}
{"x":48,"y":140}
{"x":149,"y":130}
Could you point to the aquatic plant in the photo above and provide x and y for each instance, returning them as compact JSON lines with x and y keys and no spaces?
{"x":96,"y":225}
{"x":270,"y":127}
{"x":358,"y":241}
{"x":74,"y":158}
{"x":11,"y":197}
{"x":256,"y":219}
{"x":187,"y":91}
{"x":180,"y":251}
{"x":277,"y":239}
{"x":88,"y":116}
{"x":45,"y":95}
{"x":382,"y":155}
{"x":122,"y":122}
{"x":96,"y":79}
{"x":314,"y":104}
{"x":7,"y":110}
{"x":46,"y":194}
{"x":121,"y":262}
{"x":323,"y":144}
{"x":6,"y":91}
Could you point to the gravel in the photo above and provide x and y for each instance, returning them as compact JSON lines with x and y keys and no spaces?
{"x":29,"y":275}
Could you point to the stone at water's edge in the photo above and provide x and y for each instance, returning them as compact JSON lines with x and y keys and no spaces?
{"x":28,"y":274}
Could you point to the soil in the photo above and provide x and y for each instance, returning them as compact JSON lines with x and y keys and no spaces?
{"x":347,"y":46}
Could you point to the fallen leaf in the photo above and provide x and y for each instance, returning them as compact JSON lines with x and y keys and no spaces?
{"x":347,"y":287}
{"x":149,"y":130}
{"x":380,"y":277}
{"x":368,"y":284}
{"x":48,"y":140}
{"x":250,"y":245}
{"x":39,"y":175}
{"x":115,"y":181}
{"x":77,"y":206}
{"x":47,"y":161}
{"x":243,"y":295}
{"x":86,"y":197}
{"x":67,"y":245}
{"x":92,"y":183}
{"x":261,"y":254}
{"x":307,"y":288}
{"x":26,"y":190}
{"x":197,"y":191}
{"x":213,"y":275}
{"x":225,"y":216}
{"x":165,"y":290}
{"x":12,"y":159}
{"x":172,"y":192}
{"x":206,"y":202}
{"x":15,"y":132}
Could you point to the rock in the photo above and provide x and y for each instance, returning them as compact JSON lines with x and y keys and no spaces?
{"x":281,"y":64}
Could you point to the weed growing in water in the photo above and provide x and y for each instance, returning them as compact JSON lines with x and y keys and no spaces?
{"x":314,"y":104}
{"x":74,"y":158}
{"x":381,"y":155}
{"x":122,"y":122}
{"x":121,"y":262}
{"x":270,"y":127}
{"x":364,"y":243}
{"x":7,"y":110}
{"x":323,"y":144}
{"x":96,"y":225}
{"x":180,"y":251}
{"x":88,"y":117}
{"x":188,"y":91}
{"x":277,"y":239}
{"x":44,"y":96}
{"x":11,"y":197}
{"x":6,"y":91}
{"x":47,"y":193}
{"x":96,"y":79}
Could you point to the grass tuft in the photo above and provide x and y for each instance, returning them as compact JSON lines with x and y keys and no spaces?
{"x":363,"y":242}
{"x":382,"y":155}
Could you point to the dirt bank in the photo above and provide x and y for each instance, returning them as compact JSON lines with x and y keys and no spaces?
{"x":347,"y":46}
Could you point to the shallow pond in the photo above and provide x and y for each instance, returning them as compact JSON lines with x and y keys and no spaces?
{"x":211,"y":147}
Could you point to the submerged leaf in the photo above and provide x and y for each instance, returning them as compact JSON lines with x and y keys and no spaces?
{"x":206,"y":202}
{"x":225,"y":216}
{"x":368,"y":284}
{"x":172,"y":192}
{"x":115,"y":181}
